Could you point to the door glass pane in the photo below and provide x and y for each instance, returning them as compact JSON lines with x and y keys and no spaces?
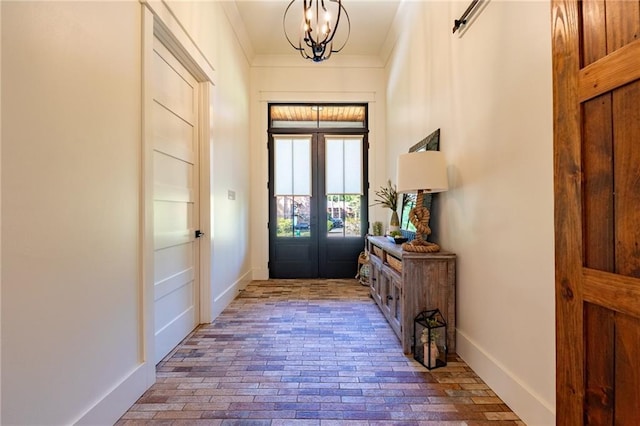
{"x":343,"y":215}
{"x":292,"y":162}
{"x":293,"y":216}
{"x":343,"y":185}
{"x":343,"y":165}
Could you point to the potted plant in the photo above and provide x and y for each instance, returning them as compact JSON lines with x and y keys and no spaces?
{"x":388,"y":197}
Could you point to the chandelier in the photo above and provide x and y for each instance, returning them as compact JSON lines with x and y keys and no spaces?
{"x":317,"y":27}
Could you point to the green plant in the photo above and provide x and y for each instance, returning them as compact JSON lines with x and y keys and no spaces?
{"x":387,"y":196}
{"x":377,"y":228}
{"x":425,"y":331}
{"x":284,"y":226}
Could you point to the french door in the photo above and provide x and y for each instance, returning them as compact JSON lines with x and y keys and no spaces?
{"x":318,"y":204}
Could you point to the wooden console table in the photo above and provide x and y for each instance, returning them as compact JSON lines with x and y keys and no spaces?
{"x":405,"y":283}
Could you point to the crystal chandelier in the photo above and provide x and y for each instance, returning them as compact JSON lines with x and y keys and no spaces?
{"x":317,"y":27}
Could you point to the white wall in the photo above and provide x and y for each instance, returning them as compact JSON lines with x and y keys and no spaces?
{"x":72,"y":330}
{"x":70,"y":206}
{"x":229,"y":150}
{"x":489,"y":92}
{"x":293,"y":79}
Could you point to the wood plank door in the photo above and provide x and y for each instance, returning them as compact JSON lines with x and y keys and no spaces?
{"x":175,"y":198}
{"x":596,"y":83}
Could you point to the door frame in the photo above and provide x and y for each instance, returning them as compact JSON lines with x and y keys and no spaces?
{"x":159,"y":22}
{"x":318,"y":137}
{"x":259,"y":159}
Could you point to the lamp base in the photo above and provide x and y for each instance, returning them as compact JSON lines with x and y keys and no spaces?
{"x":421,"y":246}
{"x":419,"y":217}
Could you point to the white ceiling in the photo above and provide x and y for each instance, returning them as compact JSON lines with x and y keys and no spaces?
{"x":371,"y":21}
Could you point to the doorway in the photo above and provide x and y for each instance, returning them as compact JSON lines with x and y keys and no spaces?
{"x":175,"y":200}
{"x":318,"y":214}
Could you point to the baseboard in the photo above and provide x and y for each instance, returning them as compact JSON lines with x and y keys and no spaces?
{"x":118,"y":400}
{"x":223,"y":299}
{"x":529,"y":406}
{"x":261,"y":274}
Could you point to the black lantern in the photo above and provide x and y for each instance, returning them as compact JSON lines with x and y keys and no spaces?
{"x":430,"y":339}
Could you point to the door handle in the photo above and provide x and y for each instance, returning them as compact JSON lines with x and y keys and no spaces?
{"x":198,"y":233}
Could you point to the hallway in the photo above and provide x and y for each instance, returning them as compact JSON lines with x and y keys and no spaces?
{"x":309,"y":352}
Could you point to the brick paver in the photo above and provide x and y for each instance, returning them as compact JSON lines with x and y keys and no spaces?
{"x":309,"y":352}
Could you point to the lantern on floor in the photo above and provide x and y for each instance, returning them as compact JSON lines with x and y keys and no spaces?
{"x":430,"y":339}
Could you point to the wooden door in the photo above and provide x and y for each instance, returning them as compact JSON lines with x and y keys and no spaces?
{"x":395,"y":302}
{"x":596,"y":84}
{"x":175,"y":201}
{"x":376,"y":277}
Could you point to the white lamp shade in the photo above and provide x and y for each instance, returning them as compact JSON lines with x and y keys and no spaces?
{"x":425,"y":170}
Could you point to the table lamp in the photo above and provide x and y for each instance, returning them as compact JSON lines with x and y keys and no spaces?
{"x":425,"y":172}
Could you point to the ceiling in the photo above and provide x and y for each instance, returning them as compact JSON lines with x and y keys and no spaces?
{"x":371,"y":21}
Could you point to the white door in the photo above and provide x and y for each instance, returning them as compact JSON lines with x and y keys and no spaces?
{"x":175,"y":200}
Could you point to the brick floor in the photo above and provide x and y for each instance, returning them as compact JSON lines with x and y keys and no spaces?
{"x":309,"y":352}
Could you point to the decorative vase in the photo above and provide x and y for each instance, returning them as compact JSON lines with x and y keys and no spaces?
{"x":394,"y":223}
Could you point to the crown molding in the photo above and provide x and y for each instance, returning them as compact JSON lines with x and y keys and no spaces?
{"x":394,"y":33}
{"x":233,"y":15}
{"x":294,"y":60}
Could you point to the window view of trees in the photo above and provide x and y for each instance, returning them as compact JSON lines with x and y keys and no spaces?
{"x":343,"y":216}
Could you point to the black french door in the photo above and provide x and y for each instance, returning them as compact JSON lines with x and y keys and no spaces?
{"x":318,"y":214}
